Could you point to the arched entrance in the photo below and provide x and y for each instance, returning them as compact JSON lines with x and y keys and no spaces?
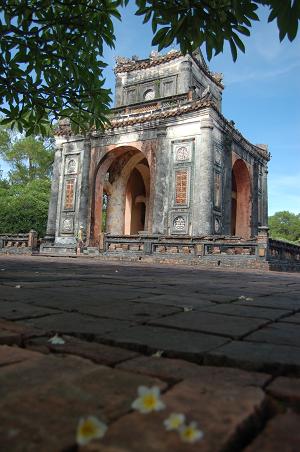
{"x":121,"y":193}
{"x":240,"y":200}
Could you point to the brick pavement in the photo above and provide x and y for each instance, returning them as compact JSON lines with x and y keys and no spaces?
{"x":231,"y":364}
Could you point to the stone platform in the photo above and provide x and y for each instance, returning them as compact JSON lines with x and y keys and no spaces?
{"x":222,"y":346}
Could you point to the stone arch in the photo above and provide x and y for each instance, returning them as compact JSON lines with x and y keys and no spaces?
{"x":112,"y":175}
{"x":241,"y":200}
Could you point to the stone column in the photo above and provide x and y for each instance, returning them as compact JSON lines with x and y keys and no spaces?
{"x":255,"y":200}
{"x":265,"y":195}
{"x":84,"y":190}
{"x":227,"y":185}
{"x":52,"y":211}
{"x":205,"y":181}
{"x":161,"y":183}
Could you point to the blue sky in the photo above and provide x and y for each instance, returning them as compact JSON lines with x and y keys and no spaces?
{"x":261,"y":95}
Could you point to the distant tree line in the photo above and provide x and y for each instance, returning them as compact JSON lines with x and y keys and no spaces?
{"x":24,"y":192}
{"x":285,"y":226}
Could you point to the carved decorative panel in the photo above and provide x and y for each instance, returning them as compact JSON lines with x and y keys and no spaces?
{"x":217,"y":189}
{"x":179,"y":223}
{"x":181,"y":187}
{"x":69,"y":193}
{"x":67,"y":225}
{"x":71,"y":166}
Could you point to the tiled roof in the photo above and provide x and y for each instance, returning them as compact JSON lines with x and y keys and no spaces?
{"x":135,"y":65}
{"x":160,"y":114}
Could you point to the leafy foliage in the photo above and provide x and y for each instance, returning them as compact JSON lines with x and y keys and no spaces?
{"x":285,"y":225}
{"x":51,"y":59}
{"x":24,"y":207}
{"x":30,"y":157}
{"x":213,"y":22}
{"x":24,"y":197}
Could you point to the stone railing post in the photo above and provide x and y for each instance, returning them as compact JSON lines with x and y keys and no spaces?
{"x":262,"y":242}
{"x":32,"y":239}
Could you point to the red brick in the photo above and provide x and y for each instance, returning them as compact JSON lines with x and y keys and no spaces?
{"x":282,"y":434}
{"x":9,"y":355}
{"x":223,"y":413}
{"x":98,"y":353}
{"x":177,"y":369}
{"x":286,"y":389}
{"x":58,"y":392}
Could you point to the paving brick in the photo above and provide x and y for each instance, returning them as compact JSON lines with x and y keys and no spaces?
{"x":57,"y":403}
{"x":247,"y":311}
{"x":253,"y":356}
{"x":281,"y":434}
{"x":13,"y":333}
{"x":278,"y":333}
{"x":177,"y":369}
{"x":98,"y":353}
{"x":175,"y":343}
{"x":295,"y":318}
{"x":285,"y":388}
{"x":226,"y":325}
{"x":134,"y":312}
{"x":76,"y":324}
{"x":10,"y":338}
{"x":9,"y":355}
{"x":15,"y":310}
{"x":275,"y":302}
{"x":224,"y":416}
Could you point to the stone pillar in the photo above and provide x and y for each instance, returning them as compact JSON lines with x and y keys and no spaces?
{"x":184,"y":79}
{"x":204,"y":183}
{"x":265,"y":196}
{"x":52,"y":211}
{"x":160,"y":201}
{"x":255,"y":200}
{"x":32,"y":239}
{"x":84,"y":189}
{"x":118,"y":91}
{"x":227,"y":185}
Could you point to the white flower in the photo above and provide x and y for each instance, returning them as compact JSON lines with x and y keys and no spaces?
{"x":190,"y":433}
{"x":89,"y":428}
{"x":148,"y":400}
{"x":56,"y":340}
{"x":18,"y":286}
{"x":249,"y":299}
{"x":174,"y":421}
{"x":187,"y":308}
{"x":242,"y":297}
{"x":158,"y":354}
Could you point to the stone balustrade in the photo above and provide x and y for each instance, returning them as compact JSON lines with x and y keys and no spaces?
{"x":21,"y":243}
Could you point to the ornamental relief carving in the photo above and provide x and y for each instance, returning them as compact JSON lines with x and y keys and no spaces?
{"x":67,"y":225}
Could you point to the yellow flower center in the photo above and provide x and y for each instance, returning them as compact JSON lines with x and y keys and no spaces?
{"x":189,"y":433}
{"x":149,"y":401}
{"x":88,"y":429}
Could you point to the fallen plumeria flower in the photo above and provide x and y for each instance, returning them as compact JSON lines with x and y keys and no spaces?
{"x":187,"y":308}
{"x":56,"y":340}
{"x":158,"y":354}
{"x":175,"y":421}
{"x":242,"y":297}
{"x":18,"y":286}
{"x":190,"y":433}
{"x":89,"y":428}
{"x":148,"y":400}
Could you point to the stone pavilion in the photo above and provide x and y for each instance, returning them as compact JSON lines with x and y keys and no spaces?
{"x":168,"y":174}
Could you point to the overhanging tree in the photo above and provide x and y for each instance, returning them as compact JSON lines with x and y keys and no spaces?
{"x":51,"y":60}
